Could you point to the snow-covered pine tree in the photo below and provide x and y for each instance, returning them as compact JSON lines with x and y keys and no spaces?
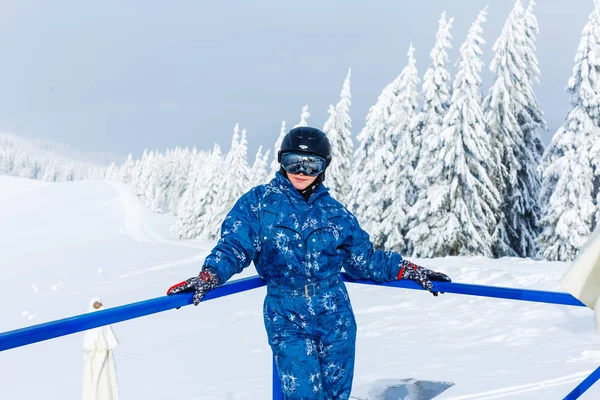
{"x":338,"y":128}
{"x":126,"y":170}
{"x":456,"y":213}
{"x":194,"y":216}
{"x":276,"y":148}
{"x":531,"y":31}
{"x":111,"y":173}
{"x":143,"y":176}
{"x":303,"y":117}
{"x":163,"y":182}
{"x":258,"y":171}
{"x":193,"y":203}
{"x":210,"y":222}
{"x":7,"y":157}
{"x":569,"y":212}
{"x":571,"y":174}
{"x":181,"y":162}
{"x":436,"y":95}
{"x":159,"y":179}
{"x":50,"y":172}
{"x":513,"y":118}
{"x":372,"y":160}
{"x":399,"y":191}
{"x":240,"y":169}
{"x":136,"y":173}
{"x":235,"y":182}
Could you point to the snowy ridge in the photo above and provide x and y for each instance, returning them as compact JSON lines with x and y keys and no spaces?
{"x":38,"y":151}
{"x":20,"y":157}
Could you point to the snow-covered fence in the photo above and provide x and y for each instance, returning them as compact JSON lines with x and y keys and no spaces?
{"x":66,"y":326}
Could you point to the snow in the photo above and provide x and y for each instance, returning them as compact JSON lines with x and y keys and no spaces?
{"x":63,"y":234}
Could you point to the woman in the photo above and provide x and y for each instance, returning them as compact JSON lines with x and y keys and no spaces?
{"x":99,"y":374}
{"x":299,"y":238}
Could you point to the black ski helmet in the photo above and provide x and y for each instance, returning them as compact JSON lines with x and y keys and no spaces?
{"x":304,"y":139}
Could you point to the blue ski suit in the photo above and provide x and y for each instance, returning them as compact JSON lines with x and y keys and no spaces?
{"x":299,"y":247}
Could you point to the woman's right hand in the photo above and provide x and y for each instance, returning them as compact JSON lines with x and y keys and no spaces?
{"x":200,"y":285}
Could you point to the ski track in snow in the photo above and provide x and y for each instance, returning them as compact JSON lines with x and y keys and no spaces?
{"x":135,"y":219}
{"x":15,"y":186}
{"x":159,"y":267}
{"x":521,"y":389}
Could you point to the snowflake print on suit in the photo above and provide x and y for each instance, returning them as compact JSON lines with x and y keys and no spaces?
{"x":299,"y":247}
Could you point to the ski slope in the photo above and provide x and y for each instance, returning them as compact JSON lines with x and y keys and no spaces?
{"x":63,"y":243}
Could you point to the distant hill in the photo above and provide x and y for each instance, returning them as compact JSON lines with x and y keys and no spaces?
{"x":47,"y":161}
{"x":75,"y":154}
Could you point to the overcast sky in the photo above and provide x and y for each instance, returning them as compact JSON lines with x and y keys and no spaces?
{"x":121,"y":76}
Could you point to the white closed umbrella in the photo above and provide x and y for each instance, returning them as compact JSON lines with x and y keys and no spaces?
{"x":99,"y":373}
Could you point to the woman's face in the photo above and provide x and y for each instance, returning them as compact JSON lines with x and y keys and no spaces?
{"x":301,"y":181}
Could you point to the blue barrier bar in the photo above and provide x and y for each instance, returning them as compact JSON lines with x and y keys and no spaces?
{"x":50,"y":330}
{"x":66,"y":326}
{"x":539,"y":296}
{"x":585,"y":385}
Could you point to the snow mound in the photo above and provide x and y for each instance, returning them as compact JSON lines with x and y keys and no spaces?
{"x":401,"y":389}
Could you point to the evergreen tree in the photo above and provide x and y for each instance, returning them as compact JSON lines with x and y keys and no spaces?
{"x":126,"y":170}
{"x":456,"y":213}
{"x":111,"y":173}
{"x":235,"y":182}
{"x":339,"y":131}
{"x":179,"y":164}
{"x":194,"y":216}
{"x":303,"y":117}
{"x":372,"y":160}
{"x":275,"y":164}
{"x":209,"y":224}
{"x":436,"y":94}
{"x":399,"y":191}
{"x":531,"y":31}
{"x":192,"y":205}
{"x":571,"y":170}
{"x":258,"y":174}
{"x":513,"y":117}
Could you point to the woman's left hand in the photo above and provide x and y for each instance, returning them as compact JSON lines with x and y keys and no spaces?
{"x":422,"y":276}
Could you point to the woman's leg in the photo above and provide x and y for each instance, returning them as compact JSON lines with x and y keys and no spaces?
{"x":336,"y":346}
{"x":295,"y":351}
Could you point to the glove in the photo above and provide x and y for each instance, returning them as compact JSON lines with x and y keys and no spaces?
{"x":422,"y":276}
{"x":200,"y":285}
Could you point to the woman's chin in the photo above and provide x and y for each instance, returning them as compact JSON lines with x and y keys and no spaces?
{"x":300,"y":186}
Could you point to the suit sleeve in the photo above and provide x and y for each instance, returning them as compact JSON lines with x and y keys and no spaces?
{"x":362,"y":261}
{"x":238,"y":245}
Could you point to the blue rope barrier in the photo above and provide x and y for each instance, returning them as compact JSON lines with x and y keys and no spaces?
{"x":539,"y":296}
{"x":585,"y":385}
{"x":50,"y":330}
{"x":67,"y":326}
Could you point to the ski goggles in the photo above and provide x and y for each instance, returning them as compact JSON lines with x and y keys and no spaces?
{"x":308,"y":164}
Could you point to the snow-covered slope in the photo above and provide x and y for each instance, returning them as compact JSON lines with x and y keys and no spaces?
{"x":63,"y":243}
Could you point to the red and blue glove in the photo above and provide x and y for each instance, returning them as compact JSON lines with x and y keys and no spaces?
{"x":200,"y":285}
{"x":422,"y":276}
